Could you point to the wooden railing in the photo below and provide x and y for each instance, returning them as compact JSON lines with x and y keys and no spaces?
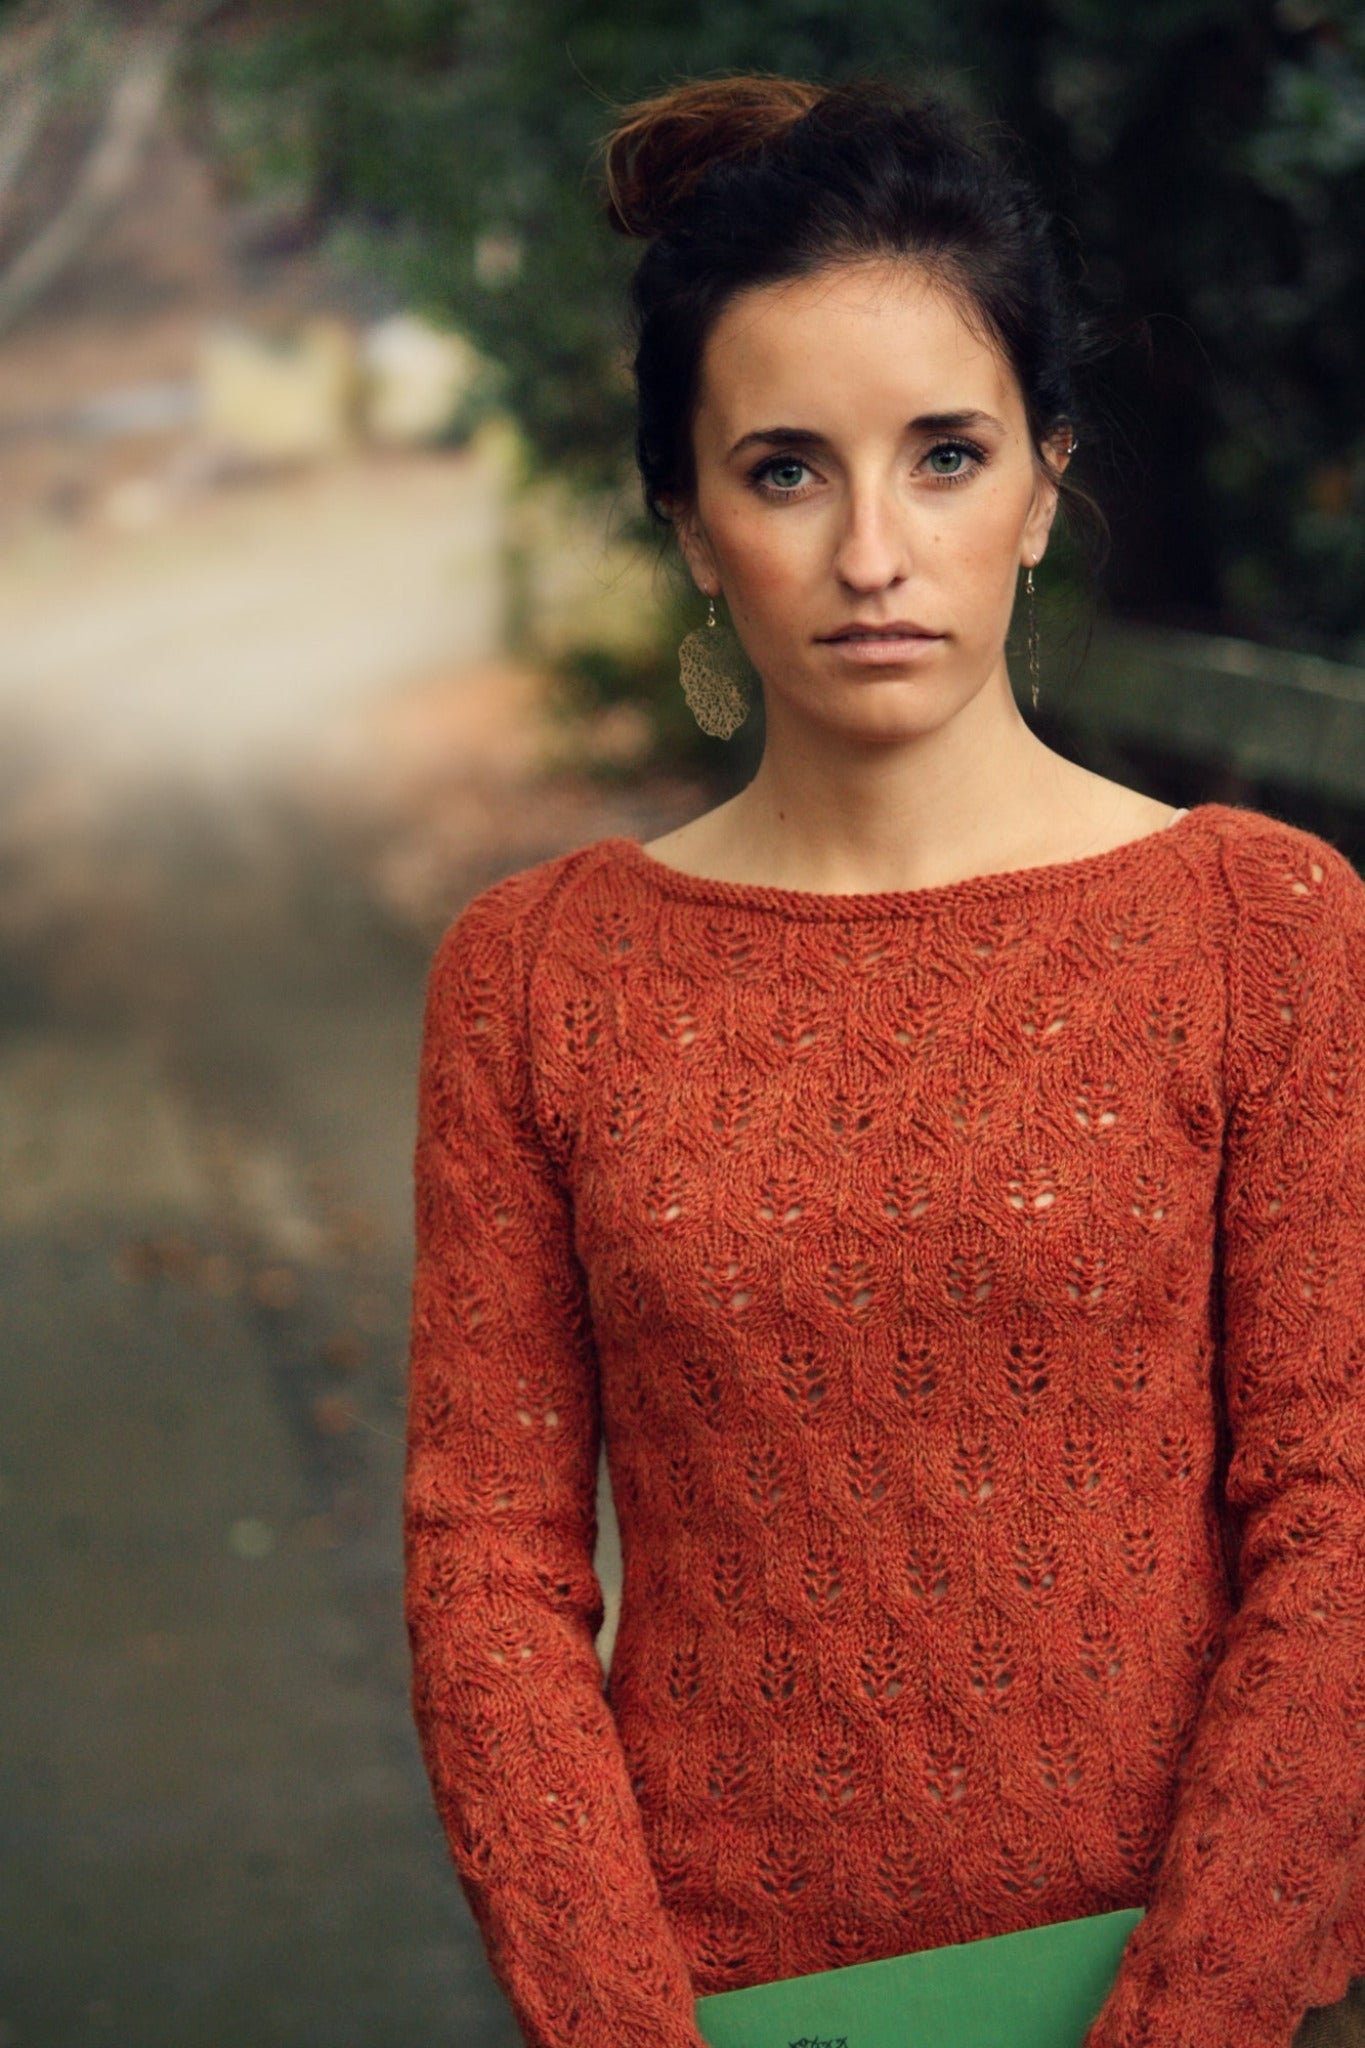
{"x":1257,"y":715}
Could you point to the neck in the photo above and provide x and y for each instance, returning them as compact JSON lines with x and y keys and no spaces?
{"x":833,"y":811}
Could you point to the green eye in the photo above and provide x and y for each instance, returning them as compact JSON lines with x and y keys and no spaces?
{"x":790,"y":480}
{"x":953,"y":455}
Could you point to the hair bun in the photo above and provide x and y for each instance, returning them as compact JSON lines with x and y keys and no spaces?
{"x":660,"y":147}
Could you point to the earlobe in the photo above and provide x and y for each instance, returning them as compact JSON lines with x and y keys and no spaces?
{"x":1041,"y":526}
{"x":697,"y":556}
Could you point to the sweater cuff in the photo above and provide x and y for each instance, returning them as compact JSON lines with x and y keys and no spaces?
{"x":1212,"y":2003}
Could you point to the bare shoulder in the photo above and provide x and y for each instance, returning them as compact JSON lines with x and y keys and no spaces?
{"x":1073,"y":813}
{"x":1122,"y":813}
{"x":698,"y":847}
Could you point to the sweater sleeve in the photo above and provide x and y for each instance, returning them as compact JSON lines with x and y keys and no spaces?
{"x":1254,"y":1913}
{"x":502,"y":1601}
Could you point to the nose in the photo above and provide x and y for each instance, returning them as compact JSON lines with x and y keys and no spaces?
{"x":873,"y":548}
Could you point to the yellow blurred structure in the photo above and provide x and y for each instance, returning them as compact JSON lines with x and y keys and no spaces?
{"x":415,"y":377}
{"x":282,"y":396}
{"x":317,"y":388}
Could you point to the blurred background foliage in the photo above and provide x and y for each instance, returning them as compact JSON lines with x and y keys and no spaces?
{"x":1208,"y":156}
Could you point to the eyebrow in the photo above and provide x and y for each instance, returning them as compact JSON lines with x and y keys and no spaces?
{"x":804,"y":437}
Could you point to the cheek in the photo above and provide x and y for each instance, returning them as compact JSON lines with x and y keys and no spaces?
{"x":988,"y":530}
{"x":978,"y":551}
{"x":764,"y":559}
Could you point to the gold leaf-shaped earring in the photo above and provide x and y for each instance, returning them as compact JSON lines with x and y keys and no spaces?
{"x":1032,"y":634}
{"x":710,"y":663}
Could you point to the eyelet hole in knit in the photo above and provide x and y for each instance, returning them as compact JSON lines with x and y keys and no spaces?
{"x":546,"y":1419}
{"x":945,"y":1768}
{"x":1033,"y":1192}
{"x":973,"y":1466}
{"x":777,"y":1674}
{"x":906,"y":1200}
{"x":914,"y":1375}
{"x":701,"y":1377}
{"x":969,"y":1114}
{"x":1101,"y":1657}
{"x":728,"y":1777}
{"x":1130,"y":1369}
{"x":848,"y":1287}
{"x":1026,"y":1373}
{"x":1035,"y":1562}
{"x":867,"y":1471}
{"x":834,"y":1776}
{"x":1087,"y":1279}
{"x":1168,"y":1023}
{"x":1042,"y":1022}
{"x":663,"y":1201}
{"x":991,"y":1670}
{"x":725,"y":1286}
{"x":763,"y":1480}
{"x":683,"y":1680}
{"x":970,"y":1275}
{"x":1061,"y":1768}
{"x":927,"y":1570}
{"x":1095,"y":1107}
{"x":581,"y":1027}
{"x":1082,"y":1467}
{"x":822,"y":1573}
{"x":727,"y":1580}
{"x":803,"y":1379}
{"x":850,"y":1120}
{"x":883,"y":1670}
{"x":733,"y":1111}
{"x":780,"y":1204}
{"x":1020,"y":1869}
{"x":784,"y":1872}
{"x":625,"y":1116}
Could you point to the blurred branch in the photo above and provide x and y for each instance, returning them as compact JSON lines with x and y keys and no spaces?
{"x":28,"y":71}
{"x":135,"y":99}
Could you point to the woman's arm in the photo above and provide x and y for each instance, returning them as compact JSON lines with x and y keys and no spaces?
{"x":1256,"y":1911}
{"x":503,"y":1604}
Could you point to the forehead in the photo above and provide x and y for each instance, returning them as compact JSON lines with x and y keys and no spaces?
{"x":853,"y":341}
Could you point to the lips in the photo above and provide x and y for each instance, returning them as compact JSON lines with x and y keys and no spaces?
{"x":900,"y":630}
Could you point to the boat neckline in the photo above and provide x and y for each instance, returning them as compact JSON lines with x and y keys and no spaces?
{"x":999,"y":886}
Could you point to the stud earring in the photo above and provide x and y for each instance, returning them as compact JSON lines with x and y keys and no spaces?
{"x":710,"y":663}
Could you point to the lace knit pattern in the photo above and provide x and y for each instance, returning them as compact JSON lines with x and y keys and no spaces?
{"x":969,"y":1286}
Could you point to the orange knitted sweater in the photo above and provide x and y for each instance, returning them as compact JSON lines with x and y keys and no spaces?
{"x":968,"y":1284}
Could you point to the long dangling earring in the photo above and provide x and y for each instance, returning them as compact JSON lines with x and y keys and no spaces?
{"x":1032,"y":634}
{"x":710,"y":661}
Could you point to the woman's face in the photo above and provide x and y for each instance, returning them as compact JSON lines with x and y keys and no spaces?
{"x":863,"y":459}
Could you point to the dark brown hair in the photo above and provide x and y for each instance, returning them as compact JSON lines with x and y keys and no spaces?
{"x":751,"y":180}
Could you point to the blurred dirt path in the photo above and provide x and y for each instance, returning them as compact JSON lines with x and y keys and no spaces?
{"x":215,"y":922}
{"x":225,"y":636}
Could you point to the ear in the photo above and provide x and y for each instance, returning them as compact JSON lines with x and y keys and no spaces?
{"x":1038,"y":525}
{"x":695,"y":548}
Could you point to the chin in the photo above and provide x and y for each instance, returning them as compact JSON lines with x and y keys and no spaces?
{"x":886,"y":722}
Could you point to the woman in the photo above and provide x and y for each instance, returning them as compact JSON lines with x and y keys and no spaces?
{"x":937,"y":1173}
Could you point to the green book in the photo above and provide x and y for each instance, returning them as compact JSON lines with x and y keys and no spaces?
{"x":1039,"y":1987}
